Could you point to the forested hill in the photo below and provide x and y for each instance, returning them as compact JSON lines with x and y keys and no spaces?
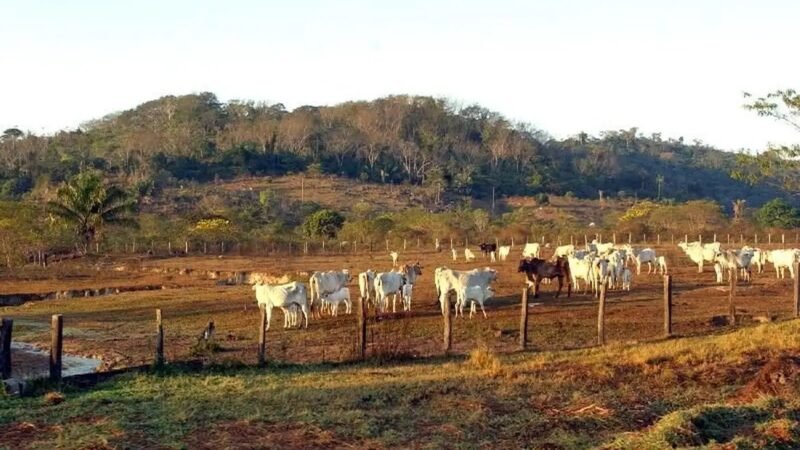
{"x":399,"y":139}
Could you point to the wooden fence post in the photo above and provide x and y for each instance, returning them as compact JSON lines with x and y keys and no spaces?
{"x":644,"y":238}
{"x":658,"y":239}
{"x":686,"y":238}
{"x":731,"y":295}
{"x":262,"y":336}
{"x":523,"y":321}
{"x":630,"y":237}
{"x":56,"y":346}
{"x":783,"y":240}
{"x":601,"y":316}
{"x":769,"y":238}
{"x":667,"y":306}
{"x":715,"y":237}
{"x":755,"y":238}
{"x":700,"y":238}
{"x":6,"y":326}
{"x":404,"y":244}
{"x":159,"y":339}
{"x":448,"y":327}
{"x":614,"y":238}
{"x":729,"y":239}
{"x":796,"y":283}
{"x":362,"y":328}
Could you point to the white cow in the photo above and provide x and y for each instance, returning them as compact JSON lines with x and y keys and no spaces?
{"x":627,"y":276}
{"x":700,"y":253}
{"x":391,"y":283}
{"x":647,"y":255}
{"x":326,"y":283}
{"x":616,"y":264}
{"x":492,"y":256}
{"x":503,"y":252}
{"x":449,"y":280}
{"x":394,"y":256}
{"x":408,"y":292}
{"x":661,"y":263}
{"x":468,"y":255}
{"x":599,"y":273}
{"x":332,"y":300}
{"x":602,"y":249}
{"x":565,"y":250}
{"x":366,"y":285}
{"x":730,"y":261}
{"x":531,"y":250}
{"x":282,"y":296}
{"x":718,"y":272}
{"x":759,"y":258}
{"x":580,"y":268}
{"x":475,"y":294}
{"x":783,"y":259}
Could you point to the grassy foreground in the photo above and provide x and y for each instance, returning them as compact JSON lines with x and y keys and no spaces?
{"x":737,"y":390}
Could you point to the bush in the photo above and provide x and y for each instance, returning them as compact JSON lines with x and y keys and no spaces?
{"x":542,"y":199}
{"x":778,"y":213}
{"x":323,"y":223}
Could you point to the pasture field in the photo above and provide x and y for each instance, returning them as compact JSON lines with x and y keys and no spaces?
{"x":561,"y":394}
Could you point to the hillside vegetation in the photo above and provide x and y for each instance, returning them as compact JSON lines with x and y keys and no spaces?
{"x":423,"y":141}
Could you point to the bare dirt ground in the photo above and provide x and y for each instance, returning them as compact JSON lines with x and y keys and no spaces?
{"x":120,"y":328}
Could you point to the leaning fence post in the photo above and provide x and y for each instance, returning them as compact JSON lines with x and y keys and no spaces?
{"x":796,"y":289}
{"x":362,"y":328}
{"x":6,"y":326}
{"x":731,"y":295}
{"x":159,"y":339}
{"x":448,"y":326}
{"x":601,"y":316}
{"x":523,"y":321}
{"x":56,"y":346}
{"x":262,"y":336}
{"x":667,"y":306}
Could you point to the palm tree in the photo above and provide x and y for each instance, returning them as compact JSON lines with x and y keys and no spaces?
{"x":738,"y":209}
{"x":89,"y":205}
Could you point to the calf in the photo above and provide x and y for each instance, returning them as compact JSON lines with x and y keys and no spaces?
{"x":468,"y":255}
{"x":332,"y":300}
{"x":503,"y":252}
{"x":475,"y":294}
{"x":661,"y":263}
{"x":487,"y":248}
{"x":408,"y":291}
{"x":627,"y":276}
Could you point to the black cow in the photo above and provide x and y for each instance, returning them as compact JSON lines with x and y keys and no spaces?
{"x":487,"y":248}
{"x":538,"y":269}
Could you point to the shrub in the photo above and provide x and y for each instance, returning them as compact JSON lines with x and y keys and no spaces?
{"x":323,"y":223}
{"x":778,"y":213}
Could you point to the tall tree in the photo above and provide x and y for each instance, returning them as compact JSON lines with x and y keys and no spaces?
{"x":89,"y":205}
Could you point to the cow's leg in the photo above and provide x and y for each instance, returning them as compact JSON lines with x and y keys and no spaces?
{"x":560,"y":284}
{"x":482,"y":310}
{"x":536,"y":287}
{"x":269,"y":315}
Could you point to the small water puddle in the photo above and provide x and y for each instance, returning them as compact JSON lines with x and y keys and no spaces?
{"x":30,"y":363}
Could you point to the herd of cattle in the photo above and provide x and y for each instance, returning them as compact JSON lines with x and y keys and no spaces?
{"x":595,"y":265}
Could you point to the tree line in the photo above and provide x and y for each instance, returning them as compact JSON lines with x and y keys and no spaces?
{"x":450,"y":148}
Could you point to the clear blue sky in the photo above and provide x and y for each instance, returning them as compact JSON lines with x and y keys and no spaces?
{"x":678,"y":67}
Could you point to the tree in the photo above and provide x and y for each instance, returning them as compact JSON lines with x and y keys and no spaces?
{"x":778,"y":213}
{"x":738,"y":210}
{"x":323,"y":223}
{"x":89,"y":205}
{"x":780,"y":163}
